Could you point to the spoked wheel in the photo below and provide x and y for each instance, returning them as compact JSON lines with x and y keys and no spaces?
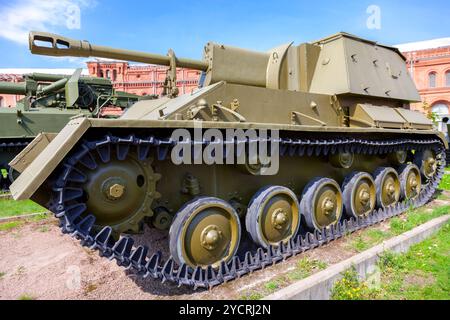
{"x":427,"y":163}
{"x":120,"y":192}
{"x":410,"y":181}
{"x":359,"y":194}
{"x":206,"y":231}
{"x":388,"y":187}
{"x":273,"y":216}
{"x":321,"y":203}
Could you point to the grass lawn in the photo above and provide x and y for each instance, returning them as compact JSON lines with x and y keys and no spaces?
{"x":9,"y":208}
{"x":423,"y":273}
{"x":359,"y":242}
{"x":303,"y":269}
{"x":398,"y":225}
{"x":445,"y":183}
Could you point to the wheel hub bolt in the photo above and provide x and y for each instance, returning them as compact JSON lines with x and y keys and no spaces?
{"x":210,"y":237}
{"x":328,"y":206}
{"x":116,"y":191}
{"x":431,"y":164}
{"x":364,"y":196}
{"x":390,"y":189}
{"x":279,"y":218}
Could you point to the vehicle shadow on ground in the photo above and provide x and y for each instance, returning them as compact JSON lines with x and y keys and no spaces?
{"x":156,"y":287}
{"x":157,"y":240}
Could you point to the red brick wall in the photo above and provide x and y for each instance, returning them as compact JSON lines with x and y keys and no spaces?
{"x":420,"y":64}
{"x":142,"y":79}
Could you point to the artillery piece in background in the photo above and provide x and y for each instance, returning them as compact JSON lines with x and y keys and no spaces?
{"x":349,"y":148}
{"x":49,"y":102}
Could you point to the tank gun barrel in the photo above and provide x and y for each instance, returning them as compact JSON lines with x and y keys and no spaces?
{"x":13,"y":88}
{"x":55,"y":86}
{"x":49,"y":44}
{"x":46,"y":77}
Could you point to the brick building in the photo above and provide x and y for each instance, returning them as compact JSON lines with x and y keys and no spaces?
{"x":429,"y":65}
{"x":141,"y":79}
{"x":10,"y":100}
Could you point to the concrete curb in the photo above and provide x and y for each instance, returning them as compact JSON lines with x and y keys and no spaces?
{"x":5,"y":196}
{"x":319,"y":285}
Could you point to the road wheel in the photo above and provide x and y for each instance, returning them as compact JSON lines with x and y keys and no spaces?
{"x":206,"y":231}
{"x":388,"y":187}
{"x":321,"y":203}
{"x":273,"y":216}
{"x":359,"y":194}
{"x":410,"y":181}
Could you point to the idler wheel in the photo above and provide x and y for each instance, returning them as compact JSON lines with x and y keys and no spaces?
{"x":388,"y":187}
{"x":427,"y":163}
{"x":410,"y":181}
{"x":321,"y":203}
{"x":206,"y":231}
{"x":273,"y":216}
{"x":359,"y":194}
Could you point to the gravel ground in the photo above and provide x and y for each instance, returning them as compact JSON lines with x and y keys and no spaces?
{"x":38,"y":262}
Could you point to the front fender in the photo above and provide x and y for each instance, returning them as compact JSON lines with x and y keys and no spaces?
{"x":35,"y":174}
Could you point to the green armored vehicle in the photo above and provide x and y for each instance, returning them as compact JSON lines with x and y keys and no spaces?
{"x":49,"y":103}
{"x":277,"y":153}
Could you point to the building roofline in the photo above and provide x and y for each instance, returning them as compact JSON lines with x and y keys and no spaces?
{"x":424,"y":45}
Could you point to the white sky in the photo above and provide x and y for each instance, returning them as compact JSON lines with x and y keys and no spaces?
{"x":39,"y":70}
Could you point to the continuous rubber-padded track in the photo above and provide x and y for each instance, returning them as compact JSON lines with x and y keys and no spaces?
{"x":151,"y":265}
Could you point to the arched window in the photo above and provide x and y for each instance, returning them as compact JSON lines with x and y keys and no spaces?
{"x":1,"y":102}
{"x":108,"y":74}
{"x":114,"y":75}
{"x":432,"y":80}
{"x":442,"y":112}
{"x":440,"y":109}
{"x":101,"y":74}
{"x":447,"y":78}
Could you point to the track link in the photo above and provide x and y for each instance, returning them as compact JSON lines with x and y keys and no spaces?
{"x":152,"y":265}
